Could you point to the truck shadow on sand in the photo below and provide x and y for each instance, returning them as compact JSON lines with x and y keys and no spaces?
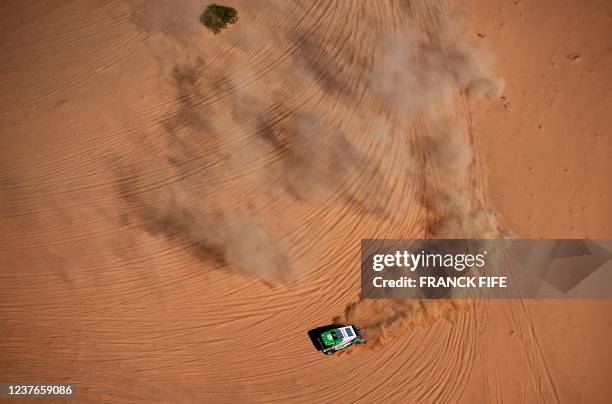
{"x":315,"y":335}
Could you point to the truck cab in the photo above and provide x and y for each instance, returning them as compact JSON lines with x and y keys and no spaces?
{"x":333,"y":338}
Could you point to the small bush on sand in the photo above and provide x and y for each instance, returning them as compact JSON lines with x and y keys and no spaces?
{"x":216,"y":17}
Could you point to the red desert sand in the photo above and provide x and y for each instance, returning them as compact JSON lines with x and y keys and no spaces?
{"x":178,"y":208}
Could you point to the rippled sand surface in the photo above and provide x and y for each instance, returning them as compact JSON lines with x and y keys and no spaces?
{"x":178,"y":208}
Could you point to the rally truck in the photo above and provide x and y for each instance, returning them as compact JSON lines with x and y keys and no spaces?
{"x":332,"y":338}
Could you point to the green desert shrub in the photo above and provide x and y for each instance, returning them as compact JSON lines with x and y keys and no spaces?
{"x":216,"y":17}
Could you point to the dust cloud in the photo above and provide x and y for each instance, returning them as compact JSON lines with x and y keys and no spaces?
{"x":427,"y":77}
{"x":370,"y":120}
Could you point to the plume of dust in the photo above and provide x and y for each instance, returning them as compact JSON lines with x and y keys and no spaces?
{"x":424,"y":76}
{"x":419,"y":75}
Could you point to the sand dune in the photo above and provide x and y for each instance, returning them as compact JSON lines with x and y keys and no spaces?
{"x":179,"y":208}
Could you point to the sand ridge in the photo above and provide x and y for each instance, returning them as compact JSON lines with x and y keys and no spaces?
{"x":164,"y":189}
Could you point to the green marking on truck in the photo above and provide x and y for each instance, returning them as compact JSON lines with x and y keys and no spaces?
{"x":328,"y":338}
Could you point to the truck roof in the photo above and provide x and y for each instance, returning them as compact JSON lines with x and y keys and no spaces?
{"x":338,"y":336}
